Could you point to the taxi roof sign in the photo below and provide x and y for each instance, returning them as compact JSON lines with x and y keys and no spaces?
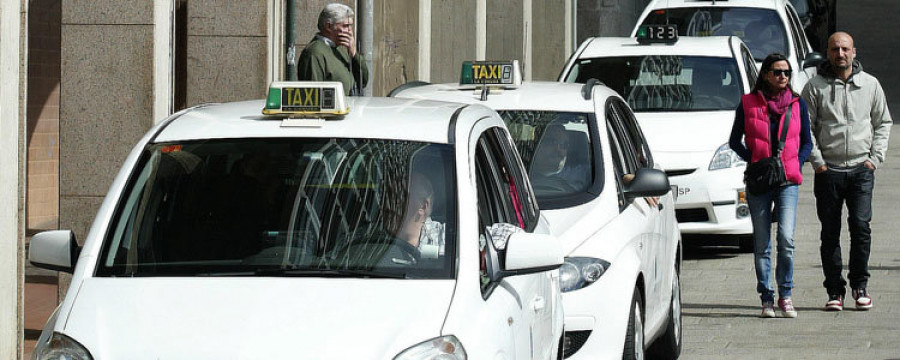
{"x":650,"y":34}
{"x":306,"y":98}
{"x":502,"y":73}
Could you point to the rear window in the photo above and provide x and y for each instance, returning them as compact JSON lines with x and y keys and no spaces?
{"x":666,"y":82}
{"x":287,"y":207}
{"x":761,"y":29}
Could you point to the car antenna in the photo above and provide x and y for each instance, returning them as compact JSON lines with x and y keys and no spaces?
{"x":485,"y":91}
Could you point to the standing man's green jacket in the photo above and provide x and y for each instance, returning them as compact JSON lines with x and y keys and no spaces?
{"x":322,"y":61}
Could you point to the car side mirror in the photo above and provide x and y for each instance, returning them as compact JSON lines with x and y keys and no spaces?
{"x":528,"y":253}
{"x":813,"y":59}
{"x":54,"y":250}
{"x":647,"y":182}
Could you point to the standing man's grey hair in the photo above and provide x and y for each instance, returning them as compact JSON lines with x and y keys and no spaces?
{"x":334,"y":13}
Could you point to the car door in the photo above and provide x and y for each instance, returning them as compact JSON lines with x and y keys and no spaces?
{"x":630,"y":152}
{"x":504,"y":197}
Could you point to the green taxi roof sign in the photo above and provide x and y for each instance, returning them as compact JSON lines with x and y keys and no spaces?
{"x":306,"y":98}
{"x":651,"y":34}
{"x":500,"y":73}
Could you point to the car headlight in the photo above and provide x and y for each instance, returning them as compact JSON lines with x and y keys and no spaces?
{"x":440,"y":348}
{"x":578,"y":272}
{"x":725,"y":158}
{"x":61,"y":347}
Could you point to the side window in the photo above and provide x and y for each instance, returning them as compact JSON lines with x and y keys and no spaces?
{"x":636,"y":136}
{"x":798,"y":34}
{"x":623,"y":150}
{"x":750,"y":64}
{"x":503,"y":187}
{"x":504,"y":197}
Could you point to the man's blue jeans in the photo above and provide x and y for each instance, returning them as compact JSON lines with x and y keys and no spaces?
{"x":832,"y":190}
{"x":785,"y":205}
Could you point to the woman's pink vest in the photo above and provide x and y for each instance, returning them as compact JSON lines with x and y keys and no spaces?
{"x":756,"y":134}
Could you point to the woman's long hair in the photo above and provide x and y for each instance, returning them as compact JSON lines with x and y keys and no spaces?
{"x":761,"y":84}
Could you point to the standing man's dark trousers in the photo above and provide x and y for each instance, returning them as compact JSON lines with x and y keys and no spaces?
{"x":832,"y":188}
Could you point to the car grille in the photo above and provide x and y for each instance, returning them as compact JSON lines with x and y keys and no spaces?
{"x":574,"y":340}
{"x":691,"y":215}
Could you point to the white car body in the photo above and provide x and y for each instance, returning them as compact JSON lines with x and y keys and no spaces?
{"x":797,"y":48}
{"x":313,"y":317}
{"x":641,"y":242}
{"x":685,"y":142}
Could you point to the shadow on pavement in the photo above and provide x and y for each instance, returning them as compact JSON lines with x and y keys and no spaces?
{"x":710,"y":247}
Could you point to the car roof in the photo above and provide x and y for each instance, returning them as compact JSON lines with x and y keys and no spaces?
{"x":530,"y":95}
{"x":665,"y":4}
{"x":369,"y":117}
{"x":716,"y":46}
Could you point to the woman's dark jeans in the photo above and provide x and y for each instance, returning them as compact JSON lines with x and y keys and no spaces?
{"x":832,"y":189}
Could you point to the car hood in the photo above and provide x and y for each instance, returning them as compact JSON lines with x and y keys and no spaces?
{"x":685,"y":140}
{"x":241,"y":318}
{"x":686,"y":131}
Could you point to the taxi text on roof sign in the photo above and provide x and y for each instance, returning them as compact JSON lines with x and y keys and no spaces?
{"x":306,"y":98}
{"x":490,"y":73}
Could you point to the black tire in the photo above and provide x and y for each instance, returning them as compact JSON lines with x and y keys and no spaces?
{"x":561,"y":350}
{"x":668,"y":347}
{"x":745,"y":243}
{"x":634,"y":336}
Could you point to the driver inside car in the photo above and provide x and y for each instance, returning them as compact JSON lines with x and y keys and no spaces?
{"x":554,"y":167}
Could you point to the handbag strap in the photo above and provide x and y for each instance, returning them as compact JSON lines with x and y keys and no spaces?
{"x":784,"y":129}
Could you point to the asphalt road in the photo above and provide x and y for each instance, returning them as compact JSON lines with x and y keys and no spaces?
{"x":721,"y":306}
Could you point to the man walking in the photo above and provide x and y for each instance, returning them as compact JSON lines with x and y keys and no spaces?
{"x":850,"y":125}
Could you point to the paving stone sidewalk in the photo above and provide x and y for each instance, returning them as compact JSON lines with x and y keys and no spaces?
{"x":721,"y":306}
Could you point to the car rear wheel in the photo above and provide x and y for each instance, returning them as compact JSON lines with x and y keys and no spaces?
{"x":668,"y":346}
{"x":634,"y":337}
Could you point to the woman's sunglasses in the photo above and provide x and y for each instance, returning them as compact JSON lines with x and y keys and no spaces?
{"x":779,"y":72}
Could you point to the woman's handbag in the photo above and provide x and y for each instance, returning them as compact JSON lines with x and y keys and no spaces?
{"x":768,"y":173}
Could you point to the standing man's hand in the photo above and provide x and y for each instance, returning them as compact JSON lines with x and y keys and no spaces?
{"x":821,"y":169}
{"x":343,"y":32}
{"x":347,"y":40}
{"x":869,"y":165}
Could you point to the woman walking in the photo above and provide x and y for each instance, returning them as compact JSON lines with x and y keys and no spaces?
{"x":759,"y":121}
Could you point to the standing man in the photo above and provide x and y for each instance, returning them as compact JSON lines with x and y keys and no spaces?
{"x":332,"y":55}
{"x":850,"y":125}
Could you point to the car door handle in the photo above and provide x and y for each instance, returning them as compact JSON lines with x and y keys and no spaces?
{"x":538,"y":303}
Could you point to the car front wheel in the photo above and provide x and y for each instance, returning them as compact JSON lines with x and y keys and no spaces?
{"x":634,"y":337}
{"x":668,"y":346}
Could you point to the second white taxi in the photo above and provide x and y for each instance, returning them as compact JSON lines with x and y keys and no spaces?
{"x":591,"y":170}
{"x":684,"y":91}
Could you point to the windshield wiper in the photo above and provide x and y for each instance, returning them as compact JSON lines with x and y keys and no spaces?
{"x":328,"y":273}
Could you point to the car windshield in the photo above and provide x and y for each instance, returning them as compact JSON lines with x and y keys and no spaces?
{"x":760,"y":29}
{"x":287,"y":207}
{"x":656,"y":83}
{"x":556,"y":149}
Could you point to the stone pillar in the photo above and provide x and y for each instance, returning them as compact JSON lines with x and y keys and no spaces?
{"x":12,"y":174}
{"x":106,"y":100}
{"x":226,"y":50}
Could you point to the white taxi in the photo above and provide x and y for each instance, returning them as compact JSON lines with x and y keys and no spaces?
{"x":325,"y":228}
{"x":684,"y":92}
{"x":765,"y":26}
{"x":590,"y":167}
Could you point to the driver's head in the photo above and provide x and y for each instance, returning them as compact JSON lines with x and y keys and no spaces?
{"x":551,"y":153}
